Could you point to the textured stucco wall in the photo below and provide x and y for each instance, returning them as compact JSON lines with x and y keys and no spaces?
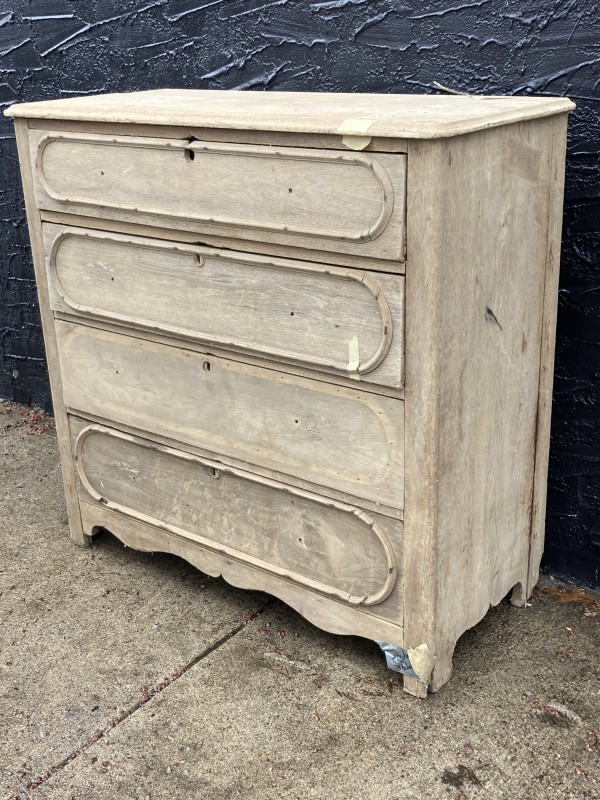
{"x":50,"y":48}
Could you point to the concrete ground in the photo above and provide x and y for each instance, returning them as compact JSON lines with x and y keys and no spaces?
{"x":133,"y":676}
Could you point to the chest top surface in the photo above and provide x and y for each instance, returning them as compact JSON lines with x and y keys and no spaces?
{"x":382,"y":115}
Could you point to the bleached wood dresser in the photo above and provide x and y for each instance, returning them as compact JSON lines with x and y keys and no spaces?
{"x":305,"y":341}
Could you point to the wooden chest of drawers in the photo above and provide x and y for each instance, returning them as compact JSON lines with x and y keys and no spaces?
{"x":306,"y":342}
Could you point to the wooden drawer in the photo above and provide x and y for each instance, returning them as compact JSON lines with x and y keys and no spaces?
{"x":344,"y":322}
{"x":323,"y":200}
{"x":328,"y":547}
{"x":333,"y":436}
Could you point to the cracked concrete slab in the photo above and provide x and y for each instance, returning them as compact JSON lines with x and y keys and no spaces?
{"x":279,"y":709}
{"x":82,"y":630}
{"x":283,"y":710}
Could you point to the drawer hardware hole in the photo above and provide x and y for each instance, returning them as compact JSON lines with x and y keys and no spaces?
{"x":213,"y":472}
{"x":189,"y":154}
{"x":206,"y":366}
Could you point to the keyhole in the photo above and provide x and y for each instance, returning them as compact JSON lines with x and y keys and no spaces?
{"x":213,"y":472}
{"x":206,"y":366}
{"x":189,"y":154}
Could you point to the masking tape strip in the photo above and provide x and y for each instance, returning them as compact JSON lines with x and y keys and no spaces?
{"x":416,"y":662}
{"x":353,"y":142}
{"x":355,"y":130}
{"x":353,"y":359}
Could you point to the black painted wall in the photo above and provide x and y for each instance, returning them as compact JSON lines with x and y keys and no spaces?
{"x":53,"y":48}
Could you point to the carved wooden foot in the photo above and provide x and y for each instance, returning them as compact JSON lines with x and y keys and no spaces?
{"x":440,"y":666}
{"x":519,"y":595}
{"x":415,"y":687}
{"x":77,"y":534}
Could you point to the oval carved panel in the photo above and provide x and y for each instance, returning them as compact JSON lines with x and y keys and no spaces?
{"x":287,"y":310}
{"x":329,"y":547}
{"x":324,"y":193}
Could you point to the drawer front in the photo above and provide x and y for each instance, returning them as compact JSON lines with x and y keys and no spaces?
{"x":351,"y":441}
{"x":319,"y":199}
{"x":325,"y":546}
{"x":340,"y":321}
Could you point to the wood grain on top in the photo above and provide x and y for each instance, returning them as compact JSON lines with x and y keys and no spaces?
{"x":384,"y":115}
